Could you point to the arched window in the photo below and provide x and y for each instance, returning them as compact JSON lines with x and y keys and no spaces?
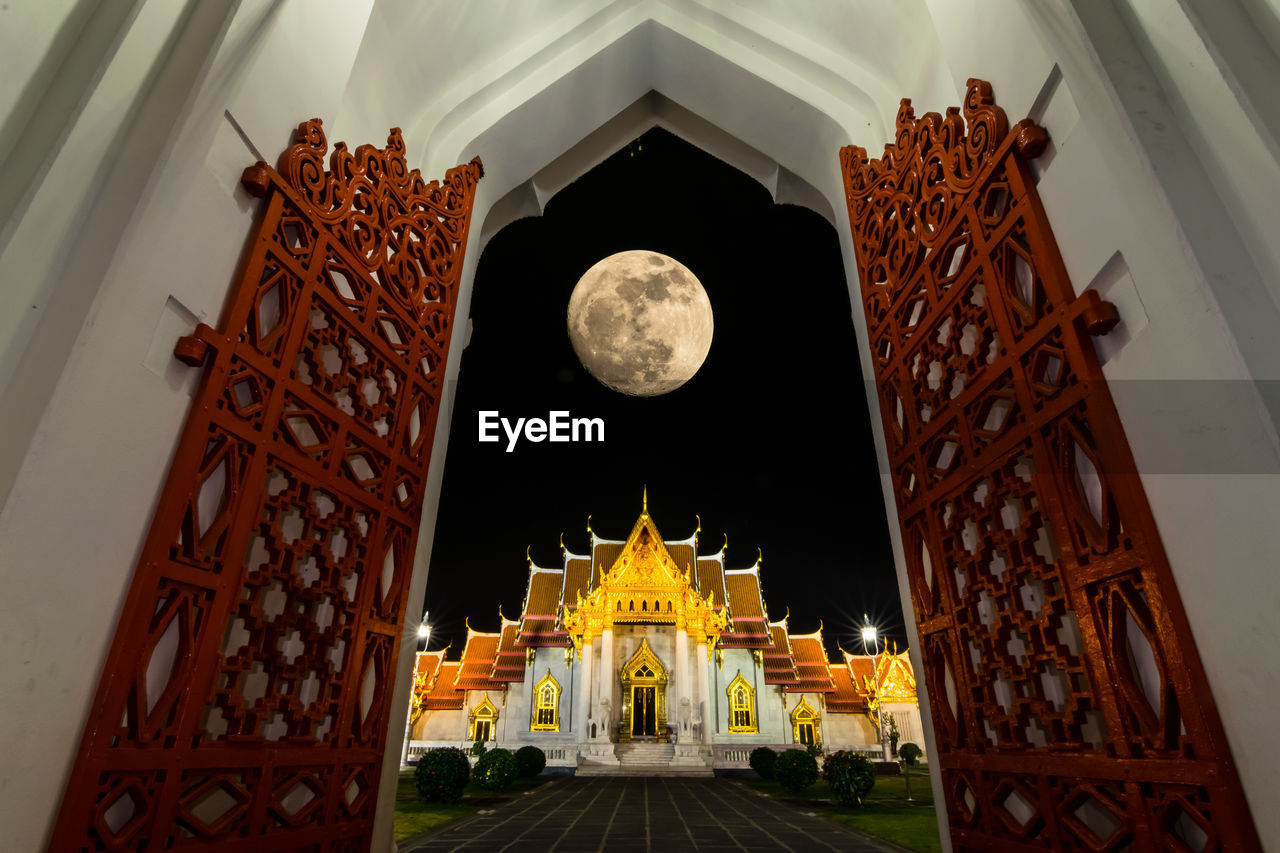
{"x":546,"y":705}
{"x":483,"y":722}
{"x":806,"y":728}
{"x":742,"y":707}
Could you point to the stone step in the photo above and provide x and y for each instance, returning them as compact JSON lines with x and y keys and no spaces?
{"x":643,"y":770}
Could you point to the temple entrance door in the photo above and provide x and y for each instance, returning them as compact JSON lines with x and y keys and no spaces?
{"x":644,"y":691}
{"x":643,"y":712}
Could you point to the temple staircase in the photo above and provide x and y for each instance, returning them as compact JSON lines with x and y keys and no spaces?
{"x":646,"y":759}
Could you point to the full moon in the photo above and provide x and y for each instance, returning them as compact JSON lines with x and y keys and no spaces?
{"x":640,"y":322}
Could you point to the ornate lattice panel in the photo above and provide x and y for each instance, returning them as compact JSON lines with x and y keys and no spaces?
{"x":1070,"y":706}
{"x":244,"y":701}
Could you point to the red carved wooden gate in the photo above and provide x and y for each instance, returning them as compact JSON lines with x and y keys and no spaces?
{"x":244,"y":701}
{"x":1069,"y":703}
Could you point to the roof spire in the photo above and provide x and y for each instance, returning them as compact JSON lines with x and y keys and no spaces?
{"x":589,"y":530}
{"x":699,"y":528}
{"x":562,"y":548}
{"x":725,"y":546}
{"x":645,"y":508}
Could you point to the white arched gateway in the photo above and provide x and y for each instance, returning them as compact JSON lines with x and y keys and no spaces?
{"x":124,"y":127}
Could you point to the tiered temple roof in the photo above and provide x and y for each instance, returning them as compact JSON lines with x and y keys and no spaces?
{"x":813,"y":672}
{"x":477,"y":661}
{"x":797,"y":663}
{"x":508,"y":663}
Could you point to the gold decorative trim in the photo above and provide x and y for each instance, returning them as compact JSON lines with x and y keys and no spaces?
{"x":485,"y":712}
{"x":804,"y":715}
{"x":742,"y":707}
{"x":644,"y":670}
{"x":546,"y":698}
{"x":644,"y":586}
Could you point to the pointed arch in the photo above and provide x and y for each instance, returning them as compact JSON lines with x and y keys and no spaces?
{"x":742,"y":707}
{"x":546,"y":705}
{"x":806,"y":725}
{"x":482,"y":723}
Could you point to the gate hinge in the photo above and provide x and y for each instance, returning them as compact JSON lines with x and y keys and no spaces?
{"x":191,"y":349}
{"x":1095,"y":314}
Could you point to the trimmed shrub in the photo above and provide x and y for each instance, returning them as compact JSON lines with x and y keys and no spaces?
{"x":814,"y":750}
{"x":441,"y":775}
{"x":850,"y":776}
{"x":478,"y":748}
{"x":762,"y":761}
{"x":495,"y":770}
{"x":796,"y":770}
{"x":910,"y":753}
{"x":529,"y":761}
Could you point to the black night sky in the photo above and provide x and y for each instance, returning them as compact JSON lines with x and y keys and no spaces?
{"x":770,"y":442}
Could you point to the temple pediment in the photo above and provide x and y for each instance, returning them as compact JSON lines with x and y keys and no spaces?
{"x":644,"y":585}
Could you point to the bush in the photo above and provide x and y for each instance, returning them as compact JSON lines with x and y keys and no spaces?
{"x":495,"y":770}
{"x":814,"y":750}
{"x":442,"y":774}
{"x":763,"y":760}
{"x":529,"y":761}
{"x":850,"y":776}
{"x":478,"y":748}
{"x":796,"y":770}
{"x":910,"y":753}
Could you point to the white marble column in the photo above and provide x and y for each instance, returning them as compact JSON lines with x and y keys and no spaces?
{"x":607,"y":677}
{"x":584,"y":691}
{"x":682,"y":680}
{"x":704,"y":698}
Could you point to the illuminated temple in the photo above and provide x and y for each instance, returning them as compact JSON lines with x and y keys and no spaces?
{"x":644,"y":652}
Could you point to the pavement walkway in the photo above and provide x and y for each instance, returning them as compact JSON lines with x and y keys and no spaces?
{"x":643,"y":815}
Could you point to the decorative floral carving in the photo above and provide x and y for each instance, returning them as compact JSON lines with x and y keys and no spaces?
{"x":1049,"y":620}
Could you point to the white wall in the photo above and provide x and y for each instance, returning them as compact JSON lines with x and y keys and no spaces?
{"x":145,"y":223}
{"x":93,"y":403}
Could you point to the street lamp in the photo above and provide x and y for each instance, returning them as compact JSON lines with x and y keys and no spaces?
{"x":424,"y":637}
{"x":869,"y":636}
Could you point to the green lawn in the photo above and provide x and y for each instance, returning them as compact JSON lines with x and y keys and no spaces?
{"x":885,"y":813}
{"x":414,"y":817}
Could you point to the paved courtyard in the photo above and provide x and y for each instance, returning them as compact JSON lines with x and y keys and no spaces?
{"x":622,"y":815}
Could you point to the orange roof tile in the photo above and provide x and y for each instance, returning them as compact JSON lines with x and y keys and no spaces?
{"x":779,"y":666}
{"x":846,"y":699}
{"x":862,"y":669}
{"x":711,"y":580}
{"x":748,"y":626}
{"x":744,"y":595}
{"x":425,"y":664}
{"x":443,"y":695}
{"x":539,"y":624}
{"x":508,"y":663}
{"x":813,"y":673}
{"x":682,"y":556}
{"x":477,"y":662}
{"x":577,"y":580}
{"x":605,"y":554}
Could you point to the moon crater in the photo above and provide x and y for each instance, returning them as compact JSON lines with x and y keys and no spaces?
{"x":640,"y":323}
